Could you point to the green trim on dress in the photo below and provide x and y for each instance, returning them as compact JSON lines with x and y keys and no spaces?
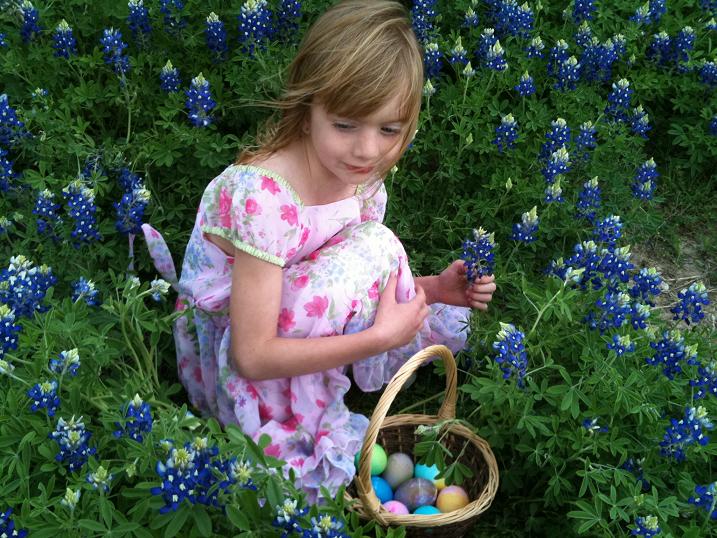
{"x":241,"y":245}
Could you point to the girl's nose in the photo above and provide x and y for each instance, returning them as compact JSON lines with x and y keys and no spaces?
{"x":368,"y":145}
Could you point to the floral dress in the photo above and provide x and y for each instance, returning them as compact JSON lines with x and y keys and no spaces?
{"x":336,"y":259}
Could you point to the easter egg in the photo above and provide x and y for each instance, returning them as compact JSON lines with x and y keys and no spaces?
{"x":396,"y":507}
{"x":378,"y":459}
{"x":426,"y":510}
{"x":429,"y":473}
{"x":399,"y":468}
{"x":452,"y":498}
{"x":416,"y":492}
{"x":381,"y":488}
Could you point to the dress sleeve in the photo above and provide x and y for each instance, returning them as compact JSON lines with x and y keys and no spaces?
{"x":373,"y":205}
{"x":255,"y":212}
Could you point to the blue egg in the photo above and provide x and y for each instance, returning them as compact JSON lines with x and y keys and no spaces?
{"x":381,"y":488}
{"x":424,"y":471}
{"x":426,"y":510}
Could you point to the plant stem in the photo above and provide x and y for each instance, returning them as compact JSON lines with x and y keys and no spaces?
{"x":421,"y":402}
{"x":542,"y":311}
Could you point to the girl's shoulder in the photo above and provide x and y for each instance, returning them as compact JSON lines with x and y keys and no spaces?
{"x":253,"y":179}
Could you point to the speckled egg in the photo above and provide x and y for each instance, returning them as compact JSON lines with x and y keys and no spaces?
{"x":416,"y":492}
{"x":381,"y":488}
{"x":399,"y":468}
{"x":426,"y":510}
{"x":396,"y":507}
{"x":429,"y":473}
{"x":378,"y":459}
{"x":452,"y":498}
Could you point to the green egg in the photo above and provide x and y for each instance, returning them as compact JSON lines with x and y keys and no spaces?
{"x":378,"y":460}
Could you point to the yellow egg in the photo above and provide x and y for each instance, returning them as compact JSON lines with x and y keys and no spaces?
{"x":452,"y":498}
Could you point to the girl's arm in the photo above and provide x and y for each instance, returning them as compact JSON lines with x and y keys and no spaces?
{"x":259,"y":353}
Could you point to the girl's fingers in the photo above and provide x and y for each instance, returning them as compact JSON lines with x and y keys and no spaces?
{"x":481,"y":297}
{"x":483,"y":288}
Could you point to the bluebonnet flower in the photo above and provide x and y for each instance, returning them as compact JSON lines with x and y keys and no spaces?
{"x":216,"y":37}
{"x":506,"y":133}
{"x":84,"y":289}
{"x":128,"y":180}
{"x":639,"y":313}
{"x":618,"y":106}
{"x":613,"y":308}
{"x":592,"y":426}
{"x":559,"y":163}
{"x":525,"y":230}
{"x":525,"y":86}
{"x":646,"y":527}
{"x":138,"y":21}
{"x":586,"y":257}
{"x":100,"y":479}
{"x":583,"y":10}
{"x":325,"y":526}
{"x":608,"y":230}
{"x":671,"y":353}
{"x":423,"y":14}
{"x":7,"y":526}
{"x":9,"y":330}
{"x":30,"y":17}
{"x":704,"y":497}
{"x":511,"y":356}
{"x":173,"y":18}
{"x":3,"y":43}
{"x":584,"y":35}
{"x":511,"y":19}
{"x":199,"y":101}
{"x":113,"y":50}
{"x":458,"y":54}
{"x":711,"y":24}
{"x":495,"y":58}
{"x":635,"y":467}
{"x":46,"y":211}
{"x":684,"y":42}
{"x":615,"y":265}
{"x":486,"y":42}
{"x":478,"y":254}
{"x":644,"y":183}
{"x":685,"y":432}
{"x":287,"y":515}
{"x":6,"y":368}
{"x":660,"y":49}
{"x":468,"y":71}
{"x":568,"y":74}
{"x":657,"y":9}
{"x":177,"y":479}
{"x":708,"y":73}
{"x":642,"y":15}
{"x":11,"y":128}
{"x":288,"y":15}
{"x":589,"y":200}
{"x":535,"y":48}
{"x":564,"y":272}
{"x":690,"y":306}
{"x":70,"y":500}
{"x":713,"y":126}
{"x":6,"y":225}
{"x":92,"y":167}
{"x":706,"y":381}
{"x":7,"y":174}
{"x":239,"y":472}
{"x":158,"y":288}
{"x":23,"y":286}
{"x":432,"y":60}
{"x":558,"y":54}
{"x":621,"y":344}
{"x":138,"y":420}
{"x":647,"y":284}
{"x":169,"y":77}
{"x":82,"y":209}
{"x":640,"y":122}
{"x":44,"y":396}
{"x":130,"y":211}
{"x":72,"y":438}
{"x":428,"y":89}
{"x":557,"y":137}
{"x":64,"y":41}
{"x":66,"y":362}
{"x":553,"y":192}
{"x":254,"y":25}
{"x":470,"y":19}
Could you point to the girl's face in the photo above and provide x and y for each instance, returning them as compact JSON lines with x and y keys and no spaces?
{"x":351,"y":151}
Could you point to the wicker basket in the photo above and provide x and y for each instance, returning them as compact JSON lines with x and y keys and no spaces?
{"x":397,"y":434}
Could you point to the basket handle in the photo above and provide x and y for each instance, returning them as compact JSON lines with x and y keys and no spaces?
{"x":447,"y":411}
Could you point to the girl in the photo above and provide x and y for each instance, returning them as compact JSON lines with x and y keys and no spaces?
{"x":290,"y":277}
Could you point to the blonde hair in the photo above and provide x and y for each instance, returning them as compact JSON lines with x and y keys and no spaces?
{"x":353,"y":60}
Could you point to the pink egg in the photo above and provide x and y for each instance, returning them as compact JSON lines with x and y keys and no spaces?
{"x":452,"y":498}
{"x":396,"y":507}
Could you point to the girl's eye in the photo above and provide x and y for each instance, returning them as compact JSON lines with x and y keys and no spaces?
{"x":341,"y":126}
{"x":392,"y":131}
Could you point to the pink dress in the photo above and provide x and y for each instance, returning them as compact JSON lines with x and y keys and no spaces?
{"x":336,"y":259}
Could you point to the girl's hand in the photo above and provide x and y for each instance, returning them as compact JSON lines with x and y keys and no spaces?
{"x":453,"y":288}
{"x":398,"y":323}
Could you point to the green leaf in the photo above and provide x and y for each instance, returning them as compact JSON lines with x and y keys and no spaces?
{"x":202,"y":521}
{"x":238,"y":518}
{"x":176,"y":523}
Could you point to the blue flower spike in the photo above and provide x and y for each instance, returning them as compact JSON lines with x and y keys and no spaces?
{"x":64,"y":44}
{"x":511,"y":355}
{"x":199,"y":102}
{"x":525,"y":230}
{"x":692,"y":299}
{"x":169,"y":78}
{"x":646,"y":527}
{"x":138,"y":420}
{"x":478,"y":254}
